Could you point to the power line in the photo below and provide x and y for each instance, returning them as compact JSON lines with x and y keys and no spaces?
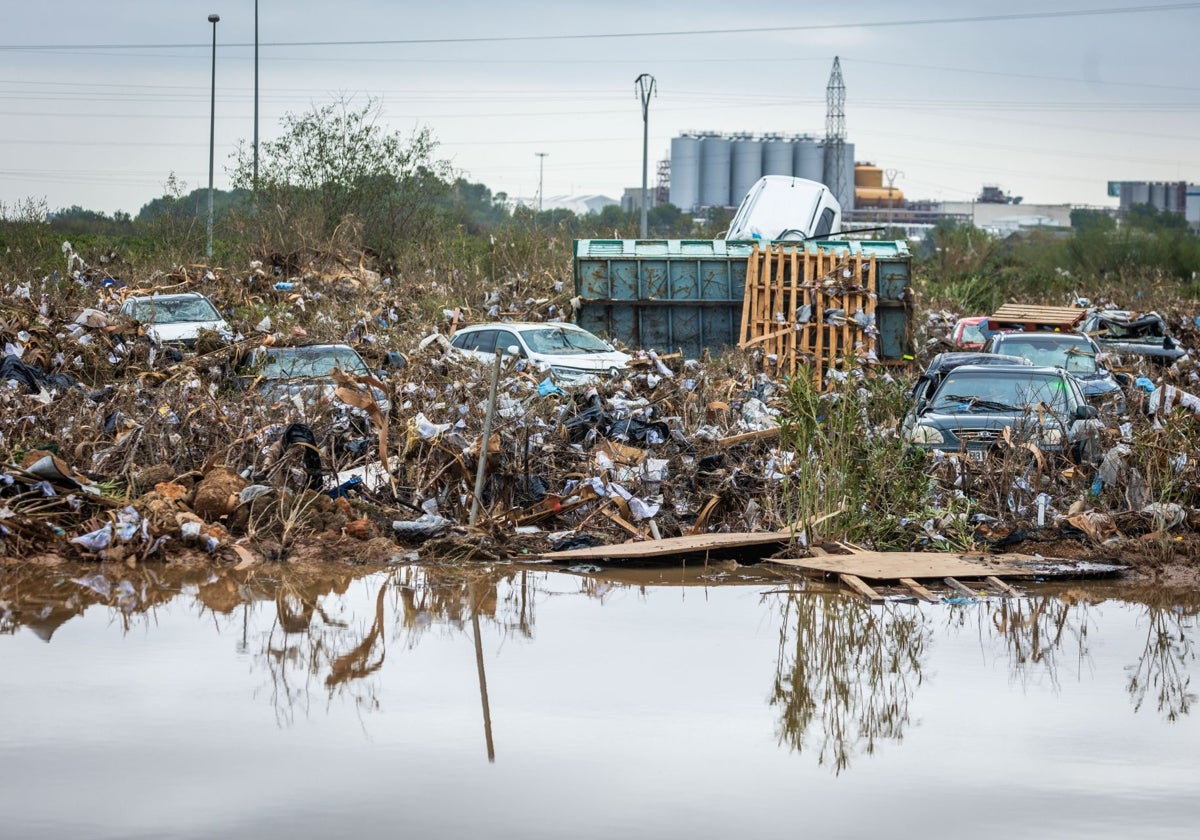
{"x":591,"y":36}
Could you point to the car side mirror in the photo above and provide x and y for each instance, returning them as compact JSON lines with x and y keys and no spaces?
{"x":513,"y":350}
{"x":1086,"y":412}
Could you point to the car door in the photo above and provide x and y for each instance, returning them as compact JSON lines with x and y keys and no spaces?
{"x":506,"y":339}
{"x":483,"y":344}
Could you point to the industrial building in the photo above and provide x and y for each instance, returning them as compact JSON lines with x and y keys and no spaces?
{"x":1166,"y":196}
{"x":711,"y":169}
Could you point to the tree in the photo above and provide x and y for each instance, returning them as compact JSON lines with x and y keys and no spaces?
{"x":336,"y":178}
{"x":1083,"y":218}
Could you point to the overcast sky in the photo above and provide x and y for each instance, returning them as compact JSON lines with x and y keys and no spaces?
{"x":102,"y":101}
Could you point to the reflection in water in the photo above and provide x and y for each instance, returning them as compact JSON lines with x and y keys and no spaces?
{"x":307,"y":643}
{"x":845,"y":674}
{"x":1162,"y":668}
{"x":1032,"y":634}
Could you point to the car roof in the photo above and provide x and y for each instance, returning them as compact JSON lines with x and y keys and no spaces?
{"x":319,"y":345}
{"x":946,"y":361}
{"x":1024,"y":370}
{"x":167,"y":296}
{"x":1041,"y":335}
{"x":500,"y":325}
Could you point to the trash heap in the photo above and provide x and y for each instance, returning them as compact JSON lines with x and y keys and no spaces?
{"x":116,"y":450}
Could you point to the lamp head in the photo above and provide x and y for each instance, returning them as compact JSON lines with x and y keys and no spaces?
{"x":213,"y":18}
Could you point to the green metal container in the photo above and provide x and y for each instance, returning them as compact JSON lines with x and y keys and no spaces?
{"x":686,"y":294}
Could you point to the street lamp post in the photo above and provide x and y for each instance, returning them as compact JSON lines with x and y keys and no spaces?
{"x":541,"y":170}
{"x":645,"y":85}
{"x":212,"y":132}
{"x":255,"y":181}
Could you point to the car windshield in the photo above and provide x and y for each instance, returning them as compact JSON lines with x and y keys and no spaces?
{"x":976,"y":391}
{"x":558,"y":342}
{"x":1072,"y":356}
{"x":305,"y":362}
{"x":973,"y":334}
{"x":172,"y":310}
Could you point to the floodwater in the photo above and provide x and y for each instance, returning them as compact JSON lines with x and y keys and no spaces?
{"x":442,"y":703}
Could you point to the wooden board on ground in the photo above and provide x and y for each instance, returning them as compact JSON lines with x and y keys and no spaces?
{"x":755,"y":543}
{"x":915,"y":565}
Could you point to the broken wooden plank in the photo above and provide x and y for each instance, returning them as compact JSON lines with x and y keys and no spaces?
{"x":671,"y":547}
{"x":1000,"y":586}
{"x":859,"y":586}
{"x":961,"y":588}
{"x":894,"y":565}
{"x":748,"y":437}
{"x":920,"y":591}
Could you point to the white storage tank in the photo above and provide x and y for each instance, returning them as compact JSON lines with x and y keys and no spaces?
{"x":715,"y":170}
{"x":685,"y":172}
{"x":777,"y":155}
{"x":810,"y":159}
{"x":747,"y":165}
{"x":846,"y":194}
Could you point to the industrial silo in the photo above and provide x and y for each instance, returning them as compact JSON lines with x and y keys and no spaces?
{"x":777,"y":155}
{"x":846,"y":196}
{"x":747,"y":154}
{"x":715,"y":170}
{"x":810,"y":159}
{"x":685,"y":172}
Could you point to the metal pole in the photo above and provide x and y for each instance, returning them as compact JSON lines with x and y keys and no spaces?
{"x":645,"y":84}
{"x":212,"y":133}
{"x":483,"y":694}
{"x":541,"y":170}
{"x":255,"y":182}
{"x":487,"y":436}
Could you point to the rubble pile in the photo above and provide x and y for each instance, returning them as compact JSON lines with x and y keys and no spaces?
{"x":116,"y":449}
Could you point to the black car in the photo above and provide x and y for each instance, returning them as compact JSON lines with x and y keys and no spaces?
{"x":943,"y":363}
{"x":1077,"y":354}
{"x":973,"y":405}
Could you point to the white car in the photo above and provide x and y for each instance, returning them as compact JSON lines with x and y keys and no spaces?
{"x":781,"y":207}
{"x":177,"y":318}
{"x":571,"y":354}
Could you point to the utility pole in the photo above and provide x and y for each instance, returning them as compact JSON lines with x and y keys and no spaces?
{"x":646,"y":86}
{"x":255,"y":180}
{"x":541,"y":170}
{"x":212,"y":132}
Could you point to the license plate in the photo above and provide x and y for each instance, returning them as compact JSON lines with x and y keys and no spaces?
{"x":976,"y":454}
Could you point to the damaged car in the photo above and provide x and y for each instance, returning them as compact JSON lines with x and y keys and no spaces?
{"x":176,"y":319}
{"x":312,"y":374}
{"x":1133,"y":334}
{"x":1077,"y":354}
{"x":569,"y":353}
{"x":974,"y":405}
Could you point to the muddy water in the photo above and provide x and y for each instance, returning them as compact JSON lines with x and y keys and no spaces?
{"x":535,"y":704}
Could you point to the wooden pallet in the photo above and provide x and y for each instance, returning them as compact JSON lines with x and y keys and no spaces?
{"x":781,"y":280}
{"x":1036,"y":317}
